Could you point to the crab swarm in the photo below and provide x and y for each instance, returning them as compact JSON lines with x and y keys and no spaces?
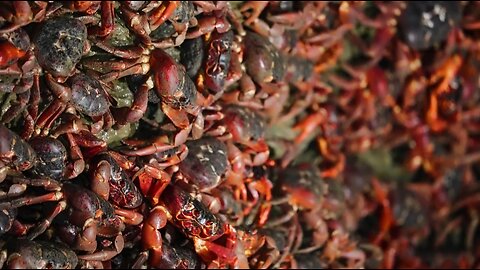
{"x":269,"y":134}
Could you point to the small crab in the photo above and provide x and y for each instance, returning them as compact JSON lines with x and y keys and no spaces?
{"x":423,"y":25}
{"x":195,"y":221}
{"x":20,"y":13}
{"x":151,"y":22}
{"x":247,"y":129}
{"x":401,"y":208}
{"x":14,"y":152}
{"x":180,"y":100}
{"x":110,"y":181}
{"x":80,"y":223}
{"x":59,"y":45}
{"x":205,"y":163}
{"x":19,"y":72}
{"x":23,"y":253}
{"x":86,"y":95}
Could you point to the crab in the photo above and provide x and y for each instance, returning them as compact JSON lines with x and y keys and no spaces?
{"x":19,"y":73}
{"x":300,"y":191}
{"x":172,"y":257}
{"x":60,"y":61}
{"x":86,"y":95}
{"x":110,"y":181}
{"x":206,"y":163}
{"x":403,"y":209}
{"x":20,"y":13}
{"x":424,"y":25}
{"x":195,"y":220}
{"x":14,"y":152}
{"x":180,"y":100}
{"x":52,"y":158}
{"x":217,"y":61}
{"x":277,"y":243}
{"x":107,"y":19}
{"x":151,"y":22}
{"x":203,"y":169}
{"x":264,"y":85}
{"x":81,"y":222}
{"x":247,"y":129}
{"x":37,"y":254}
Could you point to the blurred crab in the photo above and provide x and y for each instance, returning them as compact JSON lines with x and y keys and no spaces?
{"x":179,"y":98}
{"x":107,"y":19}
{"x":262,"y":62}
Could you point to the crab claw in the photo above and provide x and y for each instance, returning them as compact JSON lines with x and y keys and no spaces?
{"x":216,"y":253}
{"x":152,"y":182}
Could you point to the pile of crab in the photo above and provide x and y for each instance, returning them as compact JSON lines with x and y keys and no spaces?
{"x":281,"y":134}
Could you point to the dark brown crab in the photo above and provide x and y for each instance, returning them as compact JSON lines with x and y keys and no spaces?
{"x":85,"y":215}
{"x":19,"y":73}
{"x":247,"y":129}
{"x":195,"y":221}
{"x":20,"y":13}
{"x":160,"y":24}
{"x":86,"y":95}
{"x":23,"y":253}
{"x":180,"y":100}
{"x":205,"y":163}
{"x":14,"y":152}
{"x":423,"y":25}
{"x":59,"y":45}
